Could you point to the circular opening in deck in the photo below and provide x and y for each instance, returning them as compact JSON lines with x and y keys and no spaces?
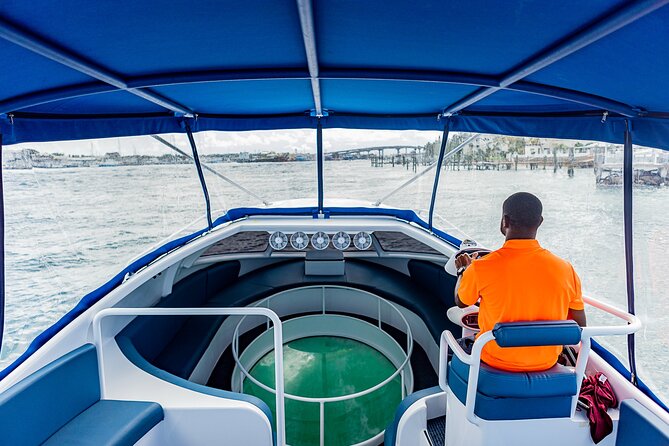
{"x":343,"y":374}
{"x":329,"y":366}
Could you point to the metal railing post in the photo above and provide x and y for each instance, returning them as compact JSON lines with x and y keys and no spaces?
{"x":322,"y":423}
{"x":200,"y":174}
{"x":437,"y":173}
{"x":319,"y":163}
{"x":246,"y":311}
{"x":628,"y":182}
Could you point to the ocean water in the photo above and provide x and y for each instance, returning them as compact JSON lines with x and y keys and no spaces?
{"x":70,"y":230}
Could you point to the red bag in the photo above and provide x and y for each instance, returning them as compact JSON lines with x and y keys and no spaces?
{"x":598,"y":395}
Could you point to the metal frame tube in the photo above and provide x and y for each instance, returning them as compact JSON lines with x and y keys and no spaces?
{"x":628,"y":209}
{"x":422,"y":76}
{"x":309,"y":36}
{"x":563,"y":48}
{"x":319,"y":163}
{"x":200,"y":175}
{"x":440,"y":162}
{"x":68,"y":58}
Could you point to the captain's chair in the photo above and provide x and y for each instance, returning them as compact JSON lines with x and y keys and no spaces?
{"x":492,"y":394}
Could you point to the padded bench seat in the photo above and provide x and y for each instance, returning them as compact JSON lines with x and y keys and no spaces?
{"x":176,"y":343}
{"x":505,"y":395}
{"x":109,"y":423}
{"x":638,"y":423}
{"x":60,"y":404}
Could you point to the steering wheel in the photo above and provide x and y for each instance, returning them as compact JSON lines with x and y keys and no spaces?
{"x":450,"y":265}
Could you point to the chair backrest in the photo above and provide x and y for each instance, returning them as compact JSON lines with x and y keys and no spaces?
{"x":536,"y":333}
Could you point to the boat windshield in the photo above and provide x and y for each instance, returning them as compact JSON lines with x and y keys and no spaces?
{"x":381,"y":167}
{"x":258,"y":168}
{"x":77,"y":212}
{"x":580,"y":185}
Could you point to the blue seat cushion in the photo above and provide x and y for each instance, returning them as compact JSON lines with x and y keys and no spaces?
{"x":509,"y":408}
{"x":637,"y":422}
{"x":556,"y":381}
{"x":529,"y":333}
{"x":109,"y":423}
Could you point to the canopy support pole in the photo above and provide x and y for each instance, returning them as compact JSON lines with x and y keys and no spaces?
{"x":319,"y":163}
{"x":2,"y":249}
{"x":309,"y":37}
{"x":440,"y":162}
{"x":563,"y":48}
{"x":628,"y":182}
{"x":200,"y":174}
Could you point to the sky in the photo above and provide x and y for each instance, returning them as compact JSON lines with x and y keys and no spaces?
{"x":302,"y":140}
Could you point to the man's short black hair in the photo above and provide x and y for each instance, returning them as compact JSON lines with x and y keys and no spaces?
{"x":523,"y":209}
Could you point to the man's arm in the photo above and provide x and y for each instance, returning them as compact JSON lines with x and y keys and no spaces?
{"x":457,"y":297}
{"x":462,"y":262}
{"x":578,"y":316}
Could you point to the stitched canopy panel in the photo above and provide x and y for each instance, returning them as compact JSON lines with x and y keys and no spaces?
{"x":78,"y":69}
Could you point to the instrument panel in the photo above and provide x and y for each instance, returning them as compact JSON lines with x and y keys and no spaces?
{"x":320,"y":240}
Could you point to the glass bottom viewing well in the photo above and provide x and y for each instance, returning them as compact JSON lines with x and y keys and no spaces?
{"x":327,"y":366}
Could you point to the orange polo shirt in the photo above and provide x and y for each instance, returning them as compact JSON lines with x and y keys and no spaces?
{"x":521,"y":281}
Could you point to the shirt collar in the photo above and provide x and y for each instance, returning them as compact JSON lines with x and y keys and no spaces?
{"x":521,"y":243}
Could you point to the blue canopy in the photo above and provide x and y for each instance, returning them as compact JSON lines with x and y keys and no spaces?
{"x":77,"y":69}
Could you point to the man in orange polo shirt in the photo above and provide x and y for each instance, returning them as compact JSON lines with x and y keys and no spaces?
{"x":521,"y":281}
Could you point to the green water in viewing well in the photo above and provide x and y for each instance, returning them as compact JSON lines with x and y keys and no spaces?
{"x":325,"y":366}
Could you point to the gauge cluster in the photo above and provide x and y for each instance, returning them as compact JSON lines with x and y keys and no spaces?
{"x":320,"y":240}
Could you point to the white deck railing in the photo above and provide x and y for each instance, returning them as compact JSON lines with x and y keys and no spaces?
{"x":474,"y":359}
{"x":266,"y":303}
{"x":244,"y":311}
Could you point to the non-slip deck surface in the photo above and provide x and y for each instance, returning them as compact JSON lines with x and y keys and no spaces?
{"x":436,"y":431}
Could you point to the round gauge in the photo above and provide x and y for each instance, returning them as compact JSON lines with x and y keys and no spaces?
{"x":362,"y":241}
{"x":299,"y":240}
{"x":341,"y":240}
{"x":320,"y":240}
{"x":278,"y":240}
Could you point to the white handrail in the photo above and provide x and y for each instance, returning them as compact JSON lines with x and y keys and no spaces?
{"x":244,"y":311}
{"x":246,"y":373}
{"x":447,"y":341}
{"x":322,"y":401}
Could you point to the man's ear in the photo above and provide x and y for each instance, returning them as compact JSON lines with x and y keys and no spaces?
{"x":504,"y":224}
{"x":541,"y":221}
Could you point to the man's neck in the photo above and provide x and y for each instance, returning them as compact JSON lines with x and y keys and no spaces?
{"x":520,"y":236}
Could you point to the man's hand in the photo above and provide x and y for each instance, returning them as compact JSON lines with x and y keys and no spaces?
{"x":464,"y":260}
